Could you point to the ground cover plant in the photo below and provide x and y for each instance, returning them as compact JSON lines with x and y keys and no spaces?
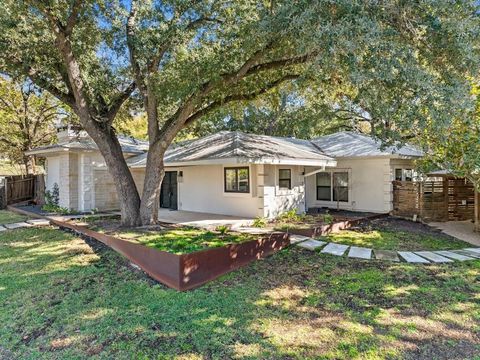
{"x":170,"y":238}
{"x":290,"y":220}
{"x":396,"y":234}
{"x":65,"y":299}
{"x":8,"y":217}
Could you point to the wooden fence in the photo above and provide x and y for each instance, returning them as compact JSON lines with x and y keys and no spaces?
{"x":22,"y":188}
{"x":449,"y":199}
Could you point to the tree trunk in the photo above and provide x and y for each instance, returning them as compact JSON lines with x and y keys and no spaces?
{"x":30,"y":165}
{"x":477,"y":211}
{"x":154,"y":174}
{"x":122,"y":177}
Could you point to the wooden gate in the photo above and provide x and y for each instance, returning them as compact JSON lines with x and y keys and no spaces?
{"x":449,"y":199}
{"x":23,"y":188}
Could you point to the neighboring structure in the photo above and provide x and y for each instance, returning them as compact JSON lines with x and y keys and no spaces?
{"x":239,"y":174}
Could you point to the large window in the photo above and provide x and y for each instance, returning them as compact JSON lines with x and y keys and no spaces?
{"x":332,"y":186}
{"x":284,"y":178}
{"x":237,"y":180}
{"x":324,"y":186}
{"x":340,"y":186}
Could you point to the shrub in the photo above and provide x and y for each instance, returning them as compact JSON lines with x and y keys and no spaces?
{"x":223,"y":230}
{"x":53,"y":197}
{"x":56,"y":209}
{"x":327,"y":218}
{"x":259,"y":222}
{"x":290,"y":216}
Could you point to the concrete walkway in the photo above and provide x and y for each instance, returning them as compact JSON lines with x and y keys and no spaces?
{"x":462,"y":230}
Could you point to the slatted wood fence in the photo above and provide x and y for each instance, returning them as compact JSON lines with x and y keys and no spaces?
{"x":22,"y":188}
{"x":449,"y":199}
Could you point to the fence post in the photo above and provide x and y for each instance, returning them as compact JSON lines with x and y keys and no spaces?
{"x":39,"y":192}
{"x":3,"y":193}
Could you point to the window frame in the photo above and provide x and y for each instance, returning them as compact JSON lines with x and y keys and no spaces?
{"x":236,"y":169}
{"x":289,"y":179}
{"x":323,"y":186}
{"x":404,"y":174}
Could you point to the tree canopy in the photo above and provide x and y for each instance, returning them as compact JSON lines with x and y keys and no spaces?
{"x":403,"y":60}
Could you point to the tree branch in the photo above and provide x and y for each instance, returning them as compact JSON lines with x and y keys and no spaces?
{"x":72,"y":19}
{"x":238,"y":97}
{"x":118,"y":101}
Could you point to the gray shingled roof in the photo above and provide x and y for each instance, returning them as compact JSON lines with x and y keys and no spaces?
{"x":350,"y":144}
{"x":246,"y":148}
{"x":128,"y":144}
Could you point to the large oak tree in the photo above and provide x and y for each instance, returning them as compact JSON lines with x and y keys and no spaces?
{"x":186,"y":58}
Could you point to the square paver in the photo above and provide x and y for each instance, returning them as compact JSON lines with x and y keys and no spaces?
{"x":410,"y":257}
{"x":360,"y":253}
{"x":298,"y":238}
{"x":17,"y":225}
{"x":311,"y":244}
{"x":454,"y":256}
{"x":475,"y":250}
{"x":38,"y":222}
{"x":388,"y":255}
{"x":2,"y":228}
{"x":467,"y":253}
{"x":335,"y":249}
{"x":433,"y":257}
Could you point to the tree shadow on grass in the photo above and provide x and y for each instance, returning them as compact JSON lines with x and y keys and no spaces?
{"x":90,"y":302}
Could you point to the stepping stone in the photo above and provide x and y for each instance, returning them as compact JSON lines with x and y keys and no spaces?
{"x":454,"y":256}
{"x":335,"y":249}
{"x":386,"y":255}
{"x":467,"y":253}
{"x":17,"y":225}
{"x":311,"y":244}
{"x":475,"y":250}
{"x":2,"y":228}
{"x":360,"y":253}
{"x":433,"y":257}
{"x":410,"y":257}
{"x":298,"y":238}
{"x":38,"y":222}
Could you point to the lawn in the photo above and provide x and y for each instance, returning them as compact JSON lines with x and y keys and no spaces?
{"x":176,"y":239}
{"x":63,"y":299}
{"x":183,"y":240}
{"x":8,"y":217}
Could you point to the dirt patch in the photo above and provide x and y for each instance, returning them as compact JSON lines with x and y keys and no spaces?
{"x":396,"y":224}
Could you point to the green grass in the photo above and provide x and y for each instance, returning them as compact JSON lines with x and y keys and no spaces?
{"x":8,"y":217}
{"x":396,"y":240}
{"x":183,"y":240}
{"x":59,"y":299}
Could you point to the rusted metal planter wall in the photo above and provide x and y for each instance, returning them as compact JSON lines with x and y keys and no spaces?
{"x":186,"y":271}
{"x":333,"y":228}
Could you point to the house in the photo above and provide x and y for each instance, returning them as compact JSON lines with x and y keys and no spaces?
{"x":234,"y":173}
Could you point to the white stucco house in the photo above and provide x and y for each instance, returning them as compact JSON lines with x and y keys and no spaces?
{"x":234,"y":173}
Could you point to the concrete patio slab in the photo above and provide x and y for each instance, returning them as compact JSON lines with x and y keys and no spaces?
{"x":251,"y":230}
{"x":462,"y":230}
{"x":298,"y":238}
{"x":202,"y":220}
{"x":386,"y":255}
{"x":360,"y":253}
{"x":413,"y":258}
{"x":335,"y":249}
{"x":467,"y":253}
{"x":454,"y":256}
{"x":311,"y":244}
{"x":433,"y":257}
{"x":17,"y":225}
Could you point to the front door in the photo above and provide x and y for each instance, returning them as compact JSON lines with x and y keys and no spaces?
{"x":168,"y":194}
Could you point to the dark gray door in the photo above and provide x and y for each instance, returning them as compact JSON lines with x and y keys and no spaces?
{"x":168,"y":194}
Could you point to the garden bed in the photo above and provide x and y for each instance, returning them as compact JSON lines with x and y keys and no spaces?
{"x":320,"y":223}
{"x":186,"y":270}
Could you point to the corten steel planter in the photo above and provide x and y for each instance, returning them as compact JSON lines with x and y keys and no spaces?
{"x":323,"y":230}
{"x":186,"y":271}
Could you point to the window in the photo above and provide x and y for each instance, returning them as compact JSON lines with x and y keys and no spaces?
{"x":237,"y":180}
{"x":324,"y":186}
{"x":404,"y":174}
{"x":285,"y":178}
{"x":340,"y":186}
